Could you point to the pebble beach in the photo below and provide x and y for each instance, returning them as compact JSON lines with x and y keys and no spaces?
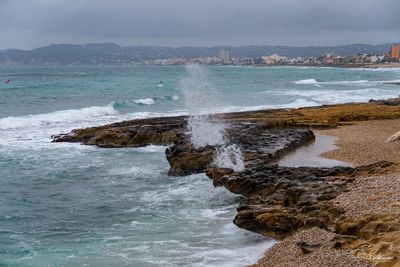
{"x":359,"y":143}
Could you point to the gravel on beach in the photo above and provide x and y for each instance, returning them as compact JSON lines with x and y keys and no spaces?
{"x":365,"y":142}
{"x":371,"y":194}
{"x":288,"y":253}
{"x":360,"y":144}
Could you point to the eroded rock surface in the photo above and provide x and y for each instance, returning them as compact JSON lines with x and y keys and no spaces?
{"x":259,"y":145}
{"x":275,"y":201}
{"x":135,"y":133}
{"x":163,"y":131}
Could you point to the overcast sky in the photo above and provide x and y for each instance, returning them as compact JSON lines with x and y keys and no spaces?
{"x":29,"y":24}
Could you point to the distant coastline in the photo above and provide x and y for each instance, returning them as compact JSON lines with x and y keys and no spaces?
{"x":113,"y":54}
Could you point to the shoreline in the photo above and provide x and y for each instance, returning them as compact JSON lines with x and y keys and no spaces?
{"x":357,"y":148}
{"x":285,"y":203}
{"x":360,"y":143}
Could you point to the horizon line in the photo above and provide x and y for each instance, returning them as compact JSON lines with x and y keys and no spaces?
{"x":192,"y":46}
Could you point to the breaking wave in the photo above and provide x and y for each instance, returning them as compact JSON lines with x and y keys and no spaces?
{"x":315,"y":82}
{"x":346,"y":82}
{"x":325,"y":96}
{"x":356,"y":82}
{"x":56,"y":117}
{"x":306,"y":81}
{"x":145,"y":101}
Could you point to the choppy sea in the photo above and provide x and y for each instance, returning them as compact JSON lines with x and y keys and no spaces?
{"x":72,"y":205}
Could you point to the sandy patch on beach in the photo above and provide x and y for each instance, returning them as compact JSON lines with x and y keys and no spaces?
{"x":365,"y":142}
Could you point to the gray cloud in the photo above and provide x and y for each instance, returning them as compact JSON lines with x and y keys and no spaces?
{"x":28,"y":24}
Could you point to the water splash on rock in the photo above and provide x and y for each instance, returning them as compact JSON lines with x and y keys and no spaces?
{"x":203,"y":131}
{"x":231,"y":157}
{"x":205,"y":128}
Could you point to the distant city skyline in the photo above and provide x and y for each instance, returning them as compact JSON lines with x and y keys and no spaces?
{"x":36,"y":23}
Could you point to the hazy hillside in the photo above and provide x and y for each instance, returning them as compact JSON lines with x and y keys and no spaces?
{"x":109,"y":53}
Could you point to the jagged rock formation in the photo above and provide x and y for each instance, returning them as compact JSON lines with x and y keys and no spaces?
{"x":275,"y":201}
{"x":163,"y":131}
{"x":258,"y":143}
{"x":136,"y":133}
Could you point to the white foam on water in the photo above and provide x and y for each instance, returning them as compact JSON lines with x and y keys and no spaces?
{"x":251,"y":247}
{"x":388,"y":82}
{"x":229,"y":157}
{"x":328,"y":96}
{"x":345,"y":82}
{"x":315,"y":82}
{"x":150,"y":149}
{"x":355,"y":82}
{"x":213,"y":213}
{"x":136,"y":171}
{"x":306,"y":81}
{"x":145,"y":101}
{"x":60,"y":116}
{"x":376,"y":69}
{"x":300,"y":102}
{"x":35,"y":131}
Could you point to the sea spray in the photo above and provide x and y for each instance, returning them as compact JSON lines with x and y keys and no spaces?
{"x":229,"y":156}
{"x":203,"y":131}
{"x":205,"y":128}
{"x":200,"y":95}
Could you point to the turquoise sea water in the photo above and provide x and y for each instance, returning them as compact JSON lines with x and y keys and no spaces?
{"x":73,"y":205}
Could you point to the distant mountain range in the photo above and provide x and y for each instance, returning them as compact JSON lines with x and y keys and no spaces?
{"x":109,"y":53}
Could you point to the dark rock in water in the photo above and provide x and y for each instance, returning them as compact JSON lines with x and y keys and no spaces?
{"x":275,"y":200}
{"x":164,"y":131}
{"x":258,"y":143}
{"x":386,"y":102}
{"x":136,"y":133}
{"x":185,"y":160}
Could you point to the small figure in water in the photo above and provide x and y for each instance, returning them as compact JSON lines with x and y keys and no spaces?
{"x":160,"y":84}
{"x":7,"y":81}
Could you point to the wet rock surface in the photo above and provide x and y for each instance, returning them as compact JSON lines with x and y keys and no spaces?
{"x":135,"y":133}
{"x":165,"y":130}
{"x":259,"y":144}
{"x":387,"y":102}
{"x":275,"y":201}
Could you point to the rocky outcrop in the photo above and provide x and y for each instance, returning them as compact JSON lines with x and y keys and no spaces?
{"x":376,"y":237}
{"x":275,"y":201}
{"x":136,"y":133}
{"x":164,"y":131}
{"x":259,"y":145}
{"x":387,"y":102}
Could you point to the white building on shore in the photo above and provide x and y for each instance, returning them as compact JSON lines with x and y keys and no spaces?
{"x":223,"y":56}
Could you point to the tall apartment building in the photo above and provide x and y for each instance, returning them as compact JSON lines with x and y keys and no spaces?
{"x":223,"y":55}
{"x":395,"y":51}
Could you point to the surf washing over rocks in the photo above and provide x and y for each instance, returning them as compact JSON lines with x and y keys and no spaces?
{"x":205,"y":128}
{"x":112,"y":207}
